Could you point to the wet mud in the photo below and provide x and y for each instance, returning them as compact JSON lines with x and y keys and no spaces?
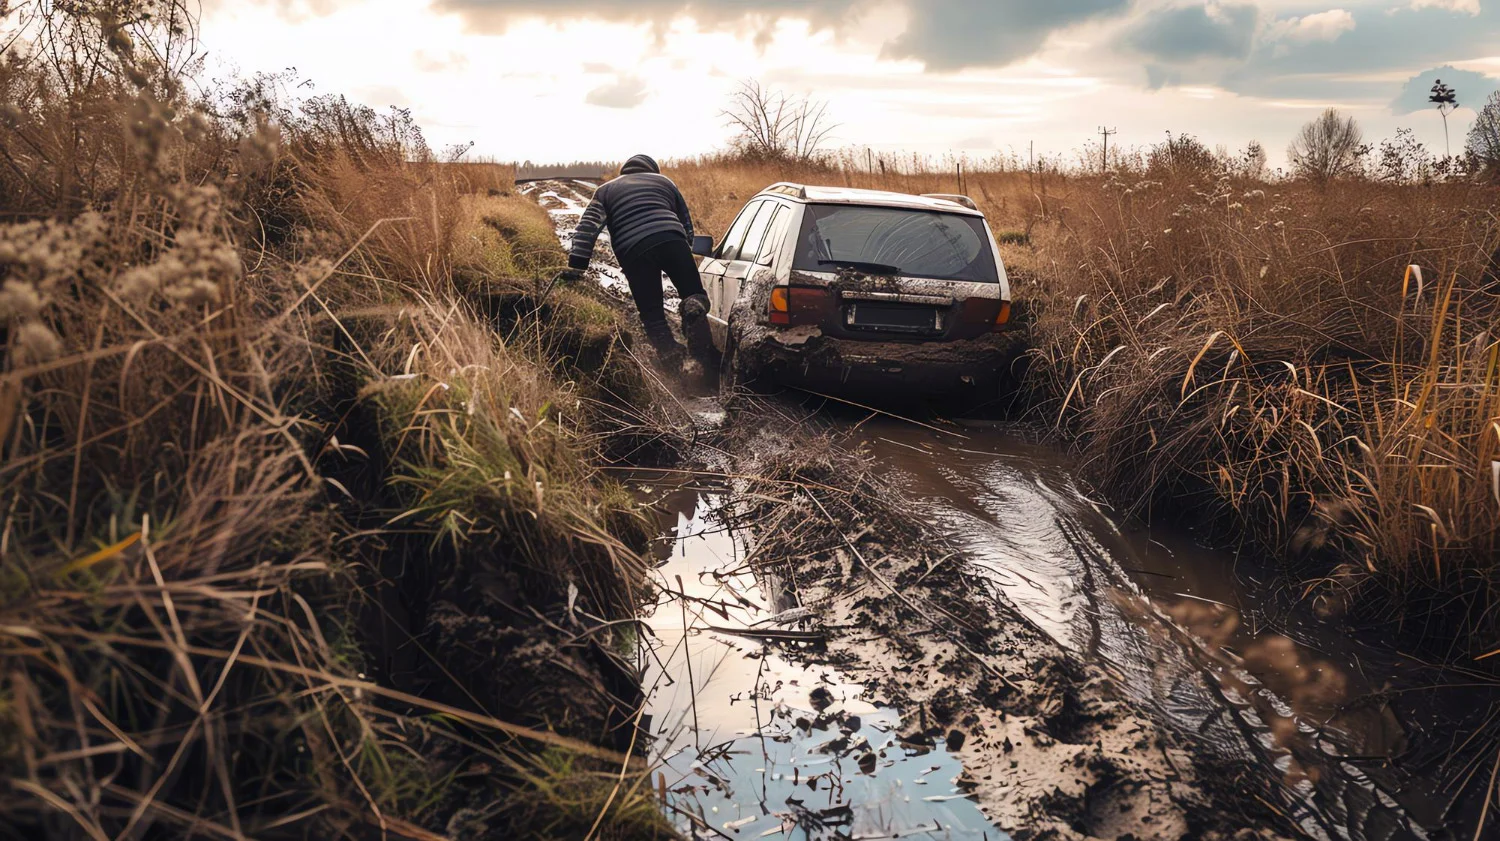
{"x":754,"y":736}
{"x":1049,"y":747}
{"x":1346,"y":739}
{"x":853,"y":609}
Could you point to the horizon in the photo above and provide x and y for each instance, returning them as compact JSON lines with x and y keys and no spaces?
{"x":608,"y":79}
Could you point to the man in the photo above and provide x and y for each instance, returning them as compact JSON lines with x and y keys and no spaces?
{"x":651,"y":231}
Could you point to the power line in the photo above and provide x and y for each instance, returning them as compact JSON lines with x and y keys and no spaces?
{"x":1104,"y":164}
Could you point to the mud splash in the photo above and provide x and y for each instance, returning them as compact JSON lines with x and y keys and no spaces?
{"x":1206,"y":640}
{"x":749,"y":743}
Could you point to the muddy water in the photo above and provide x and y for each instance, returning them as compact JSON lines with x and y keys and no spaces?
{"x":750,"y":744}
{"x":1364,"y":743}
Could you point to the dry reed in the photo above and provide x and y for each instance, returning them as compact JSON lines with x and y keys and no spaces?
{"x":1313,"y":365}
{"x":201,"y":295}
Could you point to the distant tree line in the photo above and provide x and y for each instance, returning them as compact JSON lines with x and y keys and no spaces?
{"x":576,"y":169}
{"x":772,"y":126}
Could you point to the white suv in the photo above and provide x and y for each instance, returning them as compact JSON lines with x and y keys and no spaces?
{"x":838,"y":286}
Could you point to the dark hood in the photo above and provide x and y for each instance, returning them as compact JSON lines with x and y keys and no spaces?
{"x":640,"y":163}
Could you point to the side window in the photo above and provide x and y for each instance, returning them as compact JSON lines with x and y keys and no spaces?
{"x":776,"y":236}
{"x":729,"y":249}
{"x":751,"y":249}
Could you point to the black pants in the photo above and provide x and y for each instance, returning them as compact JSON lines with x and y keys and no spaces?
{"x":644,"y":270}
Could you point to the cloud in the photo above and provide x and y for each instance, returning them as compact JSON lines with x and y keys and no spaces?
{"x":498,"y":14}
{"x":428,"y":62}
{"x":1184,"y":34}
{"x":953,"y":34}
{"x":1308,"y":29}
{"x":1472,"y":89}
{"x":1158,"y":77}
{"x":1468,"y":7}
{"x":381,"y":96}
{"x":1328,"y":57}
{"x":624,"y":92}
{"x":942,"y":34}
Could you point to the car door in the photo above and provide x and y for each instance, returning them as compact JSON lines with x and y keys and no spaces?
{"x":765,"y":260}
{"x":738,"y":266}
{"x":713,"y":267}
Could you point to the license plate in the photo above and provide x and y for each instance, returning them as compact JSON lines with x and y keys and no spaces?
{"x":902,"y":317}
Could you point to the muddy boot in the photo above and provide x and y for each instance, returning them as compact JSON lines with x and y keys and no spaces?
{"x":668,"y":350}
{"x":700,"y":340}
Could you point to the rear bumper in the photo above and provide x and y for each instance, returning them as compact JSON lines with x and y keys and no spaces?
{"x":886,"y":370}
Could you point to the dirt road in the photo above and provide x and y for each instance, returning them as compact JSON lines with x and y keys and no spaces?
{"x":963,"y":648}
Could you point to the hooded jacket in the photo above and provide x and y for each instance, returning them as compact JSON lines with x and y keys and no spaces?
{"x":641,"y":209}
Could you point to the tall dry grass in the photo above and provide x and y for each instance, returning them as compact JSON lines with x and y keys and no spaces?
{"x":717,"y":187}
{"x":1315,"y":363}
{"x":1315,"y":366}
{"x":260,"y":445}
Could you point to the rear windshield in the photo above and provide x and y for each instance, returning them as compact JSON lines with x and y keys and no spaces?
{"x":891,"y":240}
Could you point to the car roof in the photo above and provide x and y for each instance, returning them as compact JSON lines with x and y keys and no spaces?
{"x":878,"y":198}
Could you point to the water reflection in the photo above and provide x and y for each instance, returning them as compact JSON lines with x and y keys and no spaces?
{"x":1230,"y":659}
{"x":750,"y":744}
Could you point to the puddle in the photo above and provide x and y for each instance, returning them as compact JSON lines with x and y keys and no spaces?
{"x":1357,"y":735}
{"x":750,"y":743}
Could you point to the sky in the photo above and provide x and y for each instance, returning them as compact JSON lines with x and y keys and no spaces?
{"x":557,"y":80}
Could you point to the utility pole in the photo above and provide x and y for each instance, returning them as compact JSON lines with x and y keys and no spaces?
{"x":1106,"y":132}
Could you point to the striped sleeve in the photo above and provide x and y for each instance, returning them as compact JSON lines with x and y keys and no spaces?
{"x":582,"y":250}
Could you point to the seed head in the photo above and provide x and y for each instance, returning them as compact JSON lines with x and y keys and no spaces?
{"x":19,"y":301}
{"x":35,"y":343}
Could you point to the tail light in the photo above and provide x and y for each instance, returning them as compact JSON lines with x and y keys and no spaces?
{"x":798,"y":305}
{"x":781,"y":305}
{"x":1003,"y":318}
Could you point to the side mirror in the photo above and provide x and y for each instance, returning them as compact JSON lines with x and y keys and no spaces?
{"x":703,"y":246}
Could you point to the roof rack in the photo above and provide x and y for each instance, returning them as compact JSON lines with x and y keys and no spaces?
{"x":786,"y":188}
{"x":953,"y":197}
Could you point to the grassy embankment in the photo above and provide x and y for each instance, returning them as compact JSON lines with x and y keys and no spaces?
{"x":302,"y":531}
{"x":1258,"y":354}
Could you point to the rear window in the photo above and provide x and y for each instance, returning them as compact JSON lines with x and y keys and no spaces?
{"x":891,"y":240}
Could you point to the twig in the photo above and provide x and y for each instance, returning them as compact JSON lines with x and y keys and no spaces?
{"x":697,"y":821}
{"x":892,"y":415}
{"x":333,"y":681}
{"x":789,"y":636}
{"x":635,"y":733}
{"x":687,"y":654}
{"x":1489,"y":794}
{"x":983,"y":664}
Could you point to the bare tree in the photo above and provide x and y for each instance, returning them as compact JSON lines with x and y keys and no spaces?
{"x":1330,"y":146}
{"x":1446,"y":99}
{"x":773,"y":125}
{"x":1484,"y":136}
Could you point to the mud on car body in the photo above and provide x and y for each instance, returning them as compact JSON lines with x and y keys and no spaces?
{"x":857,"y":290}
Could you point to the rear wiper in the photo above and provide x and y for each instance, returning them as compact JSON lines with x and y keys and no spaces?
{"x":872,"y":268}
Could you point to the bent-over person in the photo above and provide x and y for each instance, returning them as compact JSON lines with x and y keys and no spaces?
{"x":651,"y":232}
